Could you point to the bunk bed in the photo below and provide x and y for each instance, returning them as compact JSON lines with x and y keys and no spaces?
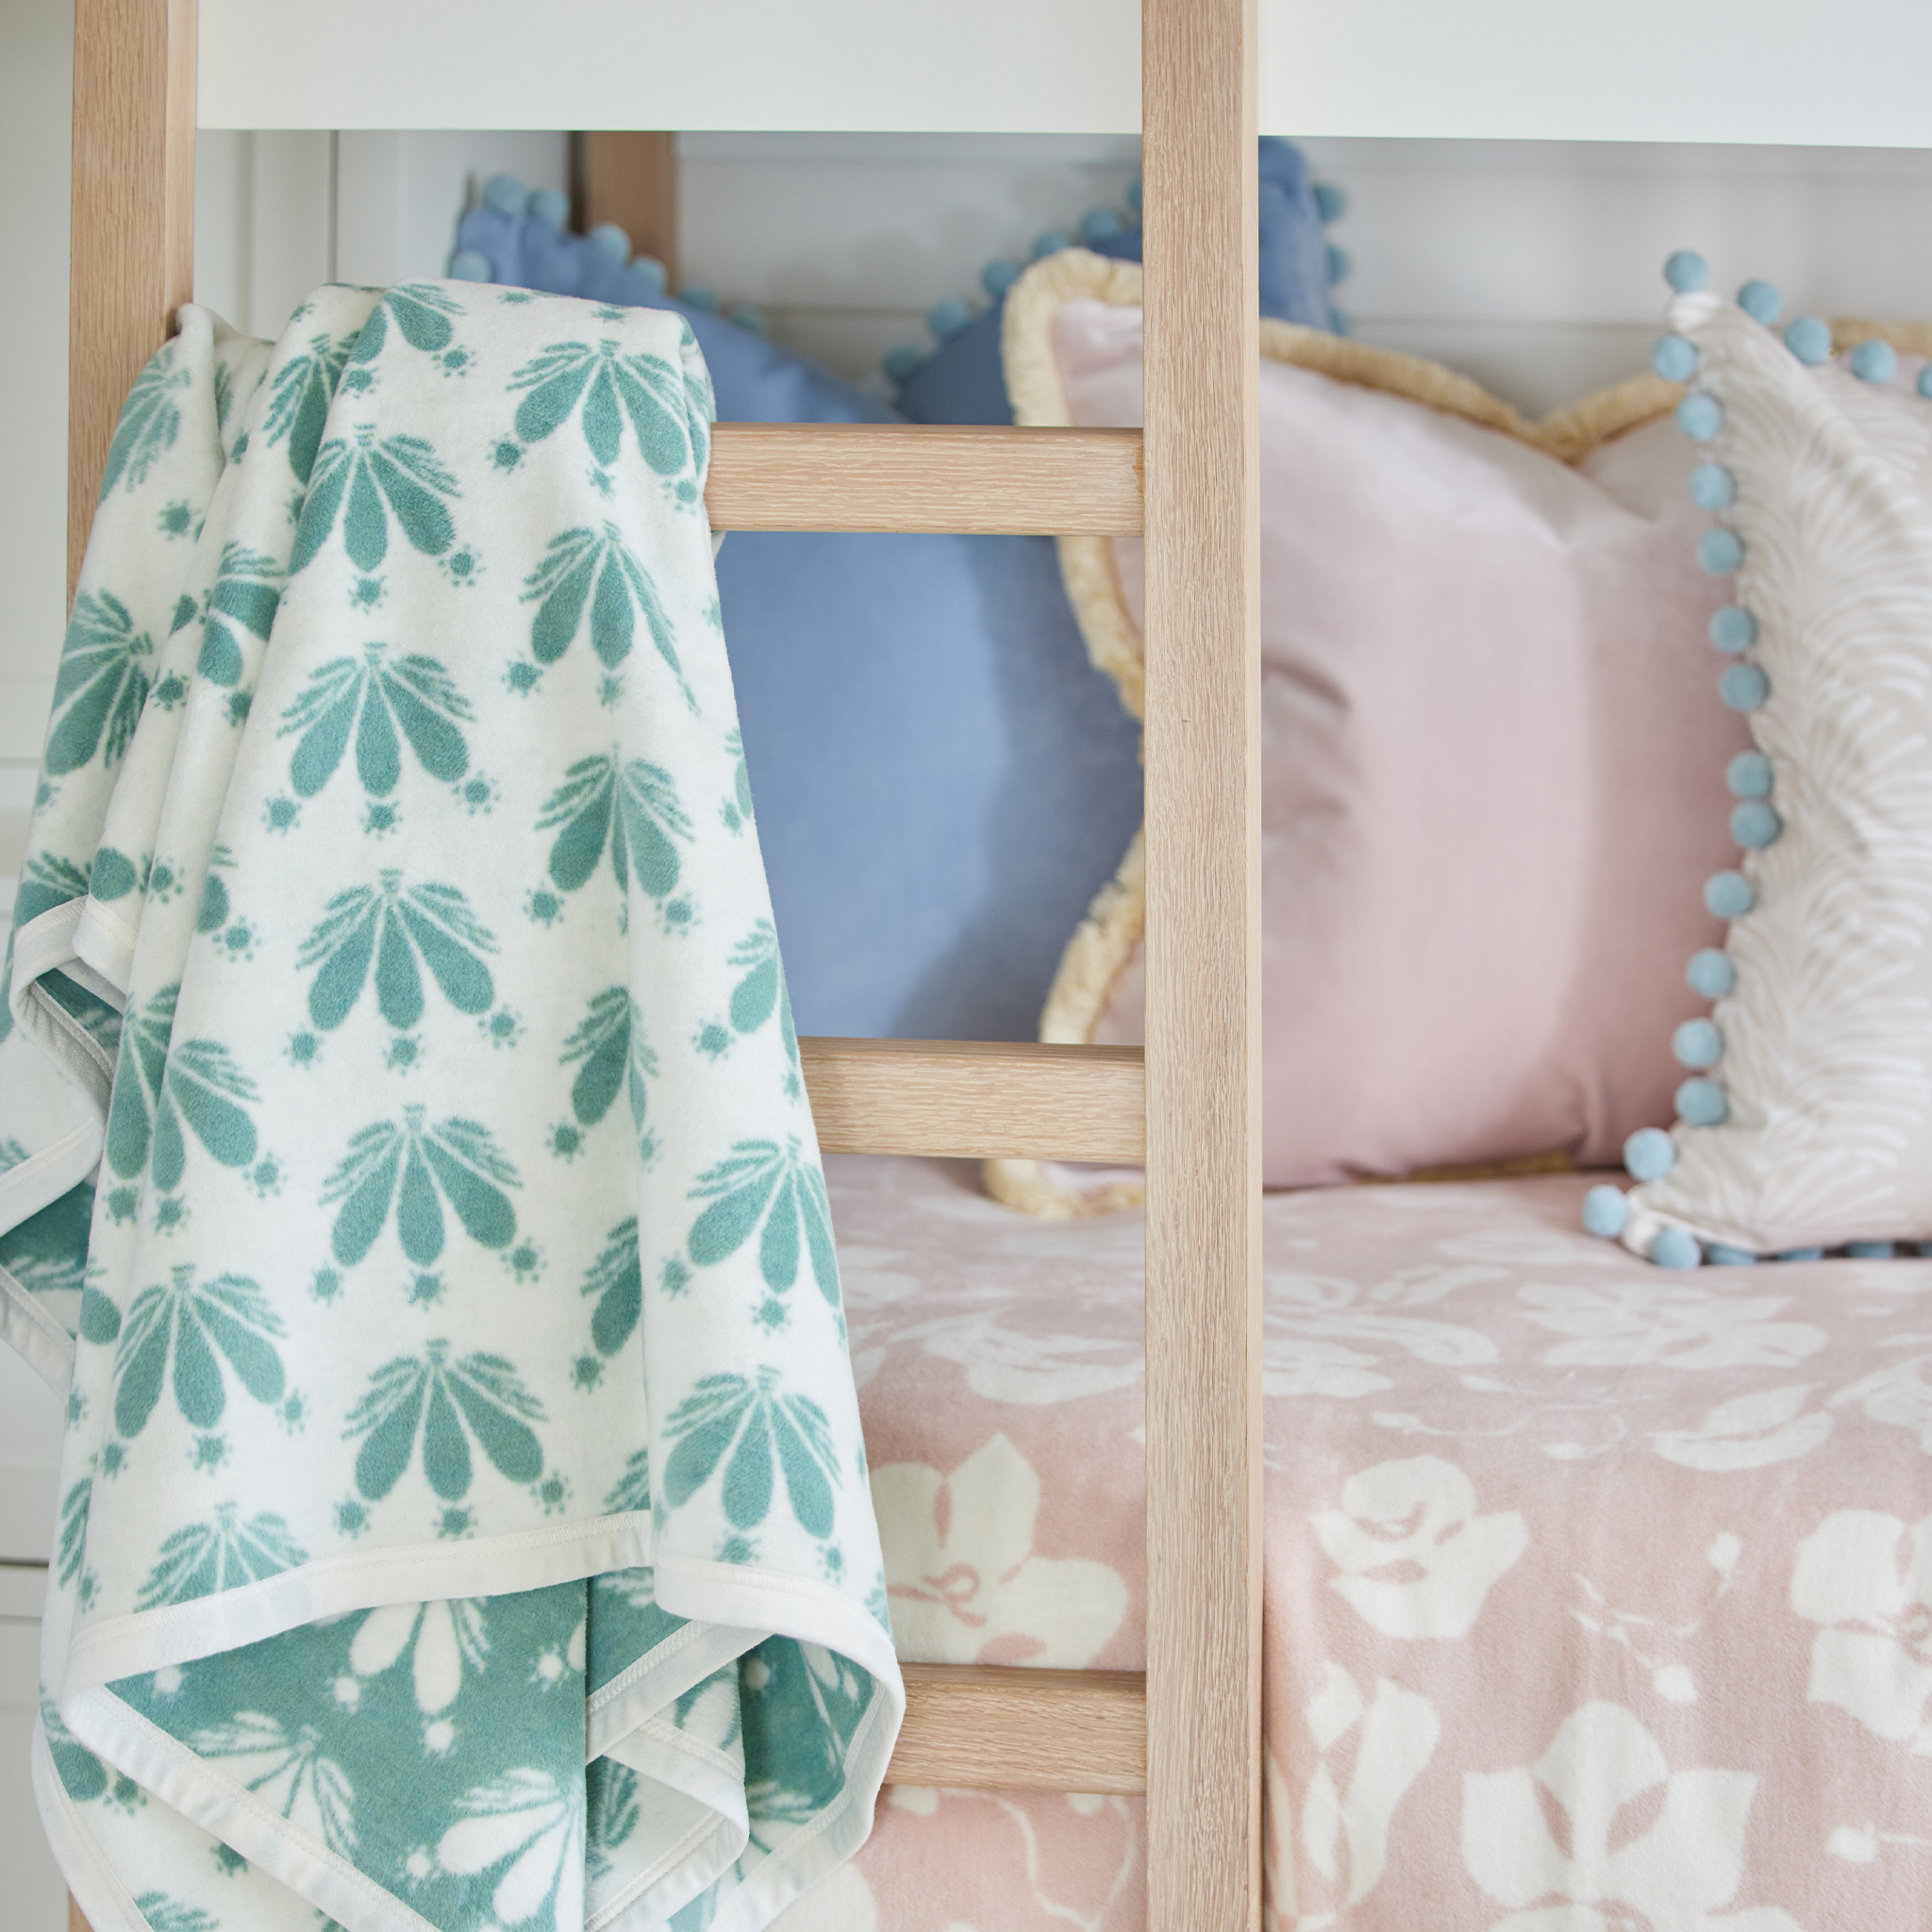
{"x":1188,"y":1106}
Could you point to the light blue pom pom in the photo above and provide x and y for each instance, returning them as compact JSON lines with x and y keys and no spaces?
{"x":1100,"y":225}
{"x":1869,"y":1251}
{"x":1925,"y":381}
{"x":1802,"y":1255}
{"x":1674,"y":357}
{"x":1697,"y":1044}
{"x":1700,"y":417}
{"x":550,"y":206}
{"x":1051,"y":242}
{"x":901,"y":359}
{"x":1749,"y":775}
{"x":1711,"y":974}
{"x":606,"y":238}
{"x":1743,"y":687}
{"x":1604,"y":1212}
{"x":505,"y":194}
{"x":1760,"y":302}
{"x":1712,"y":486}
{"x":1702,"y":1104}
{"x":1331,"y":203}
{"x":1649,"y":1153}
{"x":1686,"y":271}
{"x":1340,"y":262}
{"x":1923,"y":1249}
{"x":947,"y":317}
{"x":1719,"y":552}
{"x":1809,"y":340}
{"x":466,"y":265}
{"x":1874,"y":361}
{"x":1756,"y":824}
{"x":1132,"y":196}
{"x":1728,"y":895}
{"x":1718,"y":1255}
{"x":750,"y":318}
{"x":1674,"y":1248}
{"x":999,"y":275}
{"x":1338,"y":322}
{"x":1733,"y":629}
{"x":652,"y":269}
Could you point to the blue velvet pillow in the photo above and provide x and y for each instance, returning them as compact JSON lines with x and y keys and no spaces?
{"x":942,"y":779}
{"x":962,"y":382}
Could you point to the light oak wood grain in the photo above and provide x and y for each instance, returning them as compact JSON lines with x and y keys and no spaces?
{"x":133,"y":211}
{"x":1203,"y":1026}
{"x":630,"y":178}
{"x":992,"y":1729}
{"x":907,"y":476}
{"x":976,"y":1099}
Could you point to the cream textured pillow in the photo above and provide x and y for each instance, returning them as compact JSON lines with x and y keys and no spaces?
{"x":1492,"y":753}
{"x":1807,"y":1119}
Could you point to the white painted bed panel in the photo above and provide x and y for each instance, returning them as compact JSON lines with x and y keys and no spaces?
{"x":1591,"y":70}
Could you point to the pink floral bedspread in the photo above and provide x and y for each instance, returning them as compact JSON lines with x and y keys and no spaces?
{"x":1599,"y":1597}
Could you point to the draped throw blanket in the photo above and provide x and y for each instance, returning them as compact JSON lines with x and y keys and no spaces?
{"x":408,"y":1170}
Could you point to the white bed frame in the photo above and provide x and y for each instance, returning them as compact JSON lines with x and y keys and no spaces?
{"x":1188,"y":1734}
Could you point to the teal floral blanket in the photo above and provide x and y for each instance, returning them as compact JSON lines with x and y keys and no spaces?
{"x":407,"y":1173}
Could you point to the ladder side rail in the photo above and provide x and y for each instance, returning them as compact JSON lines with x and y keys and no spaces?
{"x":1203,"y":1022}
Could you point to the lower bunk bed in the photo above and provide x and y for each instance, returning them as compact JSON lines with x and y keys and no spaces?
{"x":1597,"y":1594}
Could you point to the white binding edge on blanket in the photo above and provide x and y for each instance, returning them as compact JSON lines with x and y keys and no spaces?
{"x":93,"y":1880}
{"x":34,"y":1335}
{"x":623,"y":1723}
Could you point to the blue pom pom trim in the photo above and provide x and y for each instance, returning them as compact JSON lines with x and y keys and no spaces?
{"x":901,"y":360}
{"x":1733,"y":629}
{"x":947,"y":317}
{"x":1802,"y":1255}
{"x":1718,"y":1255}
{"x":1697,"y":1044}
{"x":606,"y":238}
{"x":1712,"y":486}
{"x":1686,"y":271}
{"x":1703,"y":1103}
{"x":1711,"y":974}
{"x":1760,"y":302}
{"x":1925,"y":381}
{"x":1050,"y":241}
{"x":1340,"y":262}
{"x":1869,"y":1251}
{"x":1331,"y":203}
{"x":1719,"y":552}
{"x":1809,"y":340}
{"x":1649,"y":1153}
{"x":1873,"y":361}
{"x":1674,"y":1248}
{"x":1674,"y":357}
{"x":1749,"y":775}
{"x":1728,"y":895}
{"x":1606,"y":1212}
{"x":998,"y":275}
{"x":1756,"y":824}
{"x":466,"y":265}
{"x":550,"y":206}
{"x":505,"y":194}
{"x":1700,"y":416}
{"x":1743,"y":687}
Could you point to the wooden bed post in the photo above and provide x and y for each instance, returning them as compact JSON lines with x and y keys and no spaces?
{"x":630,"y":178}
{"x":1203,"y":1019}
{"x":132,"y":263}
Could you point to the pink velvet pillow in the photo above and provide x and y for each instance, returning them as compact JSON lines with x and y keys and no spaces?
{"x":1492,"y":751}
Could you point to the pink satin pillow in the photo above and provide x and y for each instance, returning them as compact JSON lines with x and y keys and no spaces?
{"x":1492,"y":751}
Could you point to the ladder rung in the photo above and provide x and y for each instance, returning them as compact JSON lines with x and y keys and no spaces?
{"x":986,"y":1728}
{"x":907,"y":476}
{"x":976,"y":1099}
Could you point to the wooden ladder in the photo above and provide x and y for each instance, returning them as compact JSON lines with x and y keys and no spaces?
{"x":1187,"y":1733}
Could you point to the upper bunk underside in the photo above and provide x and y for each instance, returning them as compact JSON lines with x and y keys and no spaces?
{"x":1771,"y":71}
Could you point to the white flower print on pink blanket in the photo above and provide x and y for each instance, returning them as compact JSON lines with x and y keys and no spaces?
{"x":1417,"y":1558}
{"x":1343,"y":1840}
{"x":1679,"y":1324}
{"x":962,"y":1579}
{"x":1674,"y":1875}
{"x":1868,"y":1579}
